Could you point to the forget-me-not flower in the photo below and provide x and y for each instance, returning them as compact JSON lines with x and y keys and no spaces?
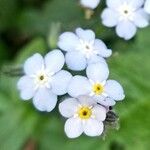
{"x":126,"y":16}
{"x":44,"y":80}
{"x":96,"y":85}
{"x":82,"y":48}
{"x":84,"y":116}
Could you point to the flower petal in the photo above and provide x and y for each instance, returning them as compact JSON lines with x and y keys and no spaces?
{"x":99,"y":112}
{"x":45,"y":100}
{"x":107,"y":20}
{"x":75,"y":61}
{"x":90,"y":3}
{"x":141,"y":18}
{"x":97,"y":72}
{"x":136,"y":3}
{"x":60,"y":82}
{"x":68,"y":41}
{"x":33,"y":64}
{"x":86,"y":35}
{"x":147,"y":6}
{"x":26,"y":87}
{"x":126,"y":30}
{"x":54,"y":61}
{"x":79,"y":85}
{"x":99,"y":98}
{"x":93,"y":127}
{"x":68,"y":107}
{"x":86,"y":100}
{"x":96,"y":59}
{"x":114,"y":90}
{"x":107,"y":101}
{"x":113,"y":3}
{"x":73,"y":128}
{"x":101,"y":48}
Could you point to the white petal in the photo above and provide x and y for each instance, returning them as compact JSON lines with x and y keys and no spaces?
{"x":147,"y":6}
{"x":79,"y":85}
{"x":45,"y":100}
{"x":107,"y":101}
{"x":107,"y":20}
{"x":75,"y":61}
{"x":96,"y":59}
{"x":90,"y":3}
{"x":136,"y":3}
{"x":86,"y":35}
{"x":113,"y":3}
{"x":114,"y":90}
{"x":141,"y":18}
{"x":26,"y":87}
{"x":68,"y":107}
{"x":99,"y":98}
{"x":86,"y":100}
{"x":126,"y":30}
{"x":97,"y":72}
{"x":60,"y":82}
{"x":73,"y":128}
{"x":99,"y":112}
{"x":54,"y":61}
{"x":102,"y":49}
{"x":92,"y":127}
{"x":33,"y":64}
{"x":68,"y":41}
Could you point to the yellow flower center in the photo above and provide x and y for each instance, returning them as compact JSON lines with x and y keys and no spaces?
{"x":85,"y":112}
{"x":98,"y":89}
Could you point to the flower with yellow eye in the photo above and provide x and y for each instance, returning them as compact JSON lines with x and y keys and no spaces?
{"x":44,"y":80}
{"x":85,"y":116}
{"x":96,"y":85}
{"x":126,"y":16}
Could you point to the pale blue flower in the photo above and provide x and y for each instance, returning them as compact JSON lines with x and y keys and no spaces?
{"x":96,"y":85}
{"x":126,"y":16}
{"x":82,"y":49}
{"x":44,"y":80}
{"x":84,"y":116}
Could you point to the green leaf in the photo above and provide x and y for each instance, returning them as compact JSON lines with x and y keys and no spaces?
{"x":20,"y":126}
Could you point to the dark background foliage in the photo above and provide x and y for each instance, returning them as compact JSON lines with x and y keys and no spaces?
{"x":30,"y":26}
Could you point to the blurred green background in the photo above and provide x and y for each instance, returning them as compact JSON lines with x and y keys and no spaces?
{"x":30,"y":26}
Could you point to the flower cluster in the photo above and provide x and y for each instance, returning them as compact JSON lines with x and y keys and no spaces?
{"x":90,"y":95}
{"x":125,"y":15}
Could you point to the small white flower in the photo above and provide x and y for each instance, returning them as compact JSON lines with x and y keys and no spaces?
{"x":82,"y":48}
{"x":92,"y":4}
{"x":126,"y":15}
{"x":44,"y":80}
{"x":85,"y":116}
{"x":147,"y":6}
{"x":96,"y":85}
